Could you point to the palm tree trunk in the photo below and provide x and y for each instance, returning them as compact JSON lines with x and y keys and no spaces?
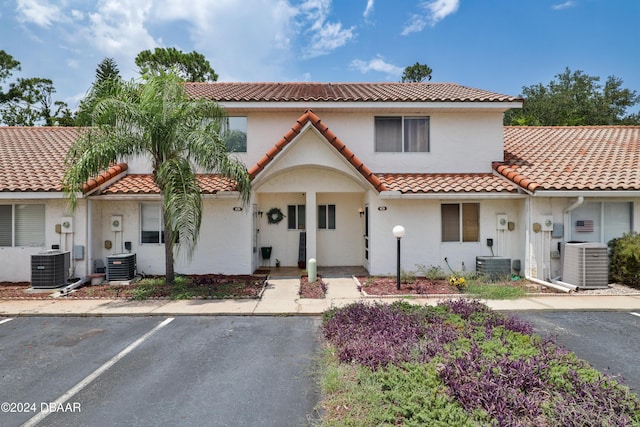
{"x":170,"y":275}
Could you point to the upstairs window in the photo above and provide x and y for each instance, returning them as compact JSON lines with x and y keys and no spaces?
{"x":396,"y":134}
{"x":235,"y":135}
{"x":460,"y":222}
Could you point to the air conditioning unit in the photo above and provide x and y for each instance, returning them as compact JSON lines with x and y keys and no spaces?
{"x":121,"y":267}
{"x":495,"y":267}
{"x":50,"y":269}
{"x":585,"y":265}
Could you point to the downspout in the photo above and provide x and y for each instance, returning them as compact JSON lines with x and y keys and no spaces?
{"x":578,"y":203}
{"x":89,"y":234}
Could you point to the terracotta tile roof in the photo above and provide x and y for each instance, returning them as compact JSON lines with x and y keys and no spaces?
{"x":572,"y":158}
{"x":343,"y":92}
{"x":446,"y":183}
{"x":105,"y":176}
{"x":32,"y":158}
{"x":143,"y":184}
{"x":310,"y":116}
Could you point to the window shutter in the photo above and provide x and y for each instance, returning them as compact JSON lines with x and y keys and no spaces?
{"x":6,"y":225}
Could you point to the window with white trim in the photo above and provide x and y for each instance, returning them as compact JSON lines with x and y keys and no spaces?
{"x":296,"y":217}
{"x":400,"y":134}
{"x":22,"y":225}
{"x":151,"y":223}
{"x":601,"y":221}
{"x":235,"y":135}
{"x":460,"y":222}
{"x":327,"y":217}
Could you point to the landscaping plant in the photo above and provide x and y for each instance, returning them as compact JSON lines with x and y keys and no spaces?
{"x":459,"y":363}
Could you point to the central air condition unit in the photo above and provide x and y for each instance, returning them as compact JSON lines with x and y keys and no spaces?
{"x":50,"y":269}
{"x":496,"y":267}
{"x":121,"y":267}
{"x":585,"y":265}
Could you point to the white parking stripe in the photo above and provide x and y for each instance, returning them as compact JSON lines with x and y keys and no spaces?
{"x":6,"y":320}
{"x":635,"y":314}
{"x":95,"y":374}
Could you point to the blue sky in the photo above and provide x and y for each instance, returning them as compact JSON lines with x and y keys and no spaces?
{"x":497,"y":45}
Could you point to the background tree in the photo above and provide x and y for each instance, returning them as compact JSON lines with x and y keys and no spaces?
{"x":179,"y":134}
{"x":416,"y":73}
{"x":106,"y":84}
{"x":29,"y":102}
{"x":7,"y":66}
{"x":191,"y":67}
{"x":575,"y":98}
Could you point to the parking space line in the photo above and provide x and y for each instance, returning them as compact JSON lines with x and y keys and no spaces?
{"x":6,"y":320}
{"x":635,"y":314}
{"x":95,"y":374}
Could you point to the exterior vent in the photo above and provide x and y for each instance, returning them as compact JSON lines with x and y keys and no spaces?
{"x":121,"y":267}
{"x":50,"y":269}
{"x":585,"y":265}
{"x":495,"y":267}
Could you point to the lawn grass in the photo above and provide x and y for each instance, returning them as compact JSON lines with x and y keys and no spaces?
{"x":494,"y":291}
{"x":458,"y":363}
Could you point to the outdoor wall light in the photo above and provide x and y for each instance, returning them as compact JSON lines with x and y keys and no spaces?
{"x":382,"y":208}
{"x":361,"y":211}
{"x":260,"y":213}
{"x":237,"y":208}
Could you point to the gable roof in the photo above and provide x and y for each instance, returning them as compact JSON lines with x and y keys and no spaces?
{"x":594,"y":158}
{"x":32,"y":158}
{"x":310,"y":117}
{"x":343,"y":92}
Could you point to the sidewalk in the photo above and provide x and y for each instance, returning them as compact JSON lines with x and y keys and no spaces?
{"x":281,"y":298}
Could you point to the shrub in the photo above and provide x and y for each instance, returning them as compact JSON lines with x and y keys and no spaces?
{"x":624,"y":263}
{"x":432,"y":272}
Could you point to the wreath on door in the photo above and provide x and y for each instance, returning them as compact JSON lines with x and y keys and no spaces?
{"x":274,"y":216}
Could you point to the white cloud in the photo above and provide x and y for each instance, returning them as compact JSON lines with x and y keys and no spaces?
{"x":39,"y":12}
{"x":377,"y":64}
{"x":435,"y":11}
{"x":369,"y":9}
{"x":565,"y":5}
{"x":325,"y":36}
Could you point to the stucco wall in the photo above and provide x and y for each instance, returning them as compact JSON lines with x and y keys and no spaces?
{"x":454,"y":148}
{"x":422,"y":244}
{"x":15,"y":262}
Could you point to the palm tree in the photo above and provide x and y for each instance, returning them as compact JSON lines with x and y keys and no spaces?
{"x":180,"y":135}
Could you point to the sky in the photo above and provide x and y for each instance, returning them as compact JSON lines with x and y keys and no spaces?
{"x":496,"y":45}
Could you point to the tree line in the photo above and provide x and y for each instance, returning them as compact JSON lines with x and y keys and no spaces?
{"x":572,"y":98}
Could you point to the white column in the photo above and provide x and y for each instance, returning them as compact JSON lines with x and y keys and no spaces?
{"x":311,"y":220}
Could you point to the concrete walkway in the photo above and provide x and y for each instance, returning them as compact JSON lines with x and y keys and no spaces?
{"x":281,"y":298}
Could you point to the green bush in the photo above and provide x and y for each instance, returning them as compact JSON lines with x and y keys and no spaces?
{"x":624,"y":261}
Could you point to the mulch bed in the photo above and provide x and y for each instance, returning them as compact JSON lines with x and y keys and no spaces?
{"x":317,"y":289}
{"x":199,"y":286}
{"x":424,"y":286}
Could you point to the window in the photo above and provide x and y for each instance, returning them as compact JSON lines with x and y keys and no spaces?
{"x":460,"y":219}
{"x":22,"y":225}
{"x":235,"y":135}
{"x":327,"y":217}
{"x":296,"y":217}
{"x":152,"y":225}
{"x":402,"y":134}
{"x":601,"y":221}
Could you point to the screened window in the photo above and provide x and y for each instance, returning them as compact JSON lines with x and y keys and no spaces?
{"x":460,"y":222}
{"x":22,"y":225}
{"x":327,"y":217}
{"x":235,"y":135}
{"x":402,"y":134}
{"x":152,"y":225}
{"x":601,"y":221}
{"x":296,"y":217}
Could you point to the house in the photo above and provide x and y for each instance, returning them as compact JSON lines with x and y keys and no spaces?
{"x":334,"y":167}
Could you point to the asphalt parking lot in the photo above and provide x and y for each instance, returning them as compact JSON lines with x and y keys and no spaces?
{"x":216,"y":371}
{"x":608,"y":340}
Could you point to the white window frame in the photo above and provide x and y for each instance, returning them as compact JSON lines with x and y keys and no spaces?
{"x":404,"y":144}
{"x":236,"y":123}
{"x":298,"y":217}
{"x":151,"y":222}
{"x":460,"y":220}
{"x":25,"y":224}
{"x":327,"y":220}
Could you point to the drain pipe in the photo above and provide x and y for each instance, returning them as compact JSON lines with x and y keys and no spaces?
{"x":74,"y":285}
